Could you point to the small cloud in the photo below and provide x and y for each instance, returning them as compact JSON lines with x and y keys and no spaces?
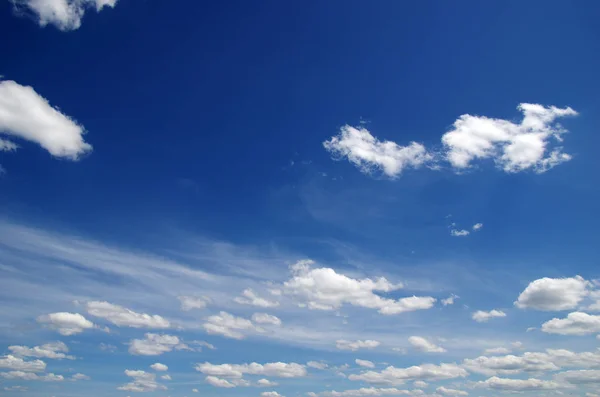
{"x":459,"y":233}
{"x":477,"y":226}
{"x":482,"y":316}
{"x":449,"y":300}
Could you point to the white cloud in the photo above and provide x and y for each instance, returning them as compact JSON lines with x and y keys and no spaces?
{"x":451,"y":392}
{"x":270,"y":394}
{"x":424,"y":345}
{"x":477,"y":226}
{"x":496,"y":351}
{"x":368,"y":153}
{"x":54,"y":350}
{"x":79,"y":376}
{"x":193,"y":302}
{"x":264,"y":318}
{"x":395,"y":376}
{"x":155,"y":345}
{"x":481,"y":316}
{"x":249,"y":297}
{"x":449,"y":300}
{"x":13,"y":363}
{"x":266,"y":383}
{"x":63,"y":14}
{"x":66,"y":324}
{"x":343,"y":344}
{"x":364,"y":363}
{"x":166,"y":377}
{"x":325,"y":289}
{"x":228,"y":325}
{"x":22,"y":375}
{"x":420,"y":384}
{"x":579,"y":377}
{"x":159,"y":367}
{"x":278,"y":370}
{"x":554,"y":294}
{"x":459,"y":233}
{"x":367,"y":392}
{"x":142,"y":382}
{"x":496,"y":383}
{"x":514,"y":147}
{"x":509,"y":364}
{"x":218,"y":382}
{"x":316,"y":365}
{"x":576,"y":323}
{"x":7,"y":146}
{"x":194,"y":390}
{"x":25,"y":114}
{"x":123,"y":317}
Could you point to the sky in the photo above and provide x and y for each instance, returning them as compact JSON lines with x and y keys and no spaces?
{"x":299,"y":199}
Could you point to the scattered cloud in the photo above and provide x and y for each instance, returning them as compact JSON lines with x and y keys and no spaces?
{"x":576,"y":323}
{"x":54,"y":350}
{"x":364,"y":363}
{"x":193,"y":302}
{"x":395,"y":376}
{"x":424,"y":345}
{"x":451,"y":392}
{"x":477,"y":226}
{"x":270,"y":394}
{"x":266,"y":383}
{"x":366,"y":392}
{"x":316,"y":365}
{"x":236,"y":371}
{"x":30,"y":376}
{"x":497,"y":350}
{"x":264,"y":318}
{"x":449,"y":300}
{"x":554,"y":294}
{"x":142,"y":382}
{"x":79,"y":376}
{"x":159,"y":367}
{"x":343,"y":344}
{"x":123,"y":317}
{"x":250,"y":298}
{"x":517,"y":385}
{"x":228,"y":325}
{"x":13,"y":363}
{"x":459,"y":233}
{"x":155,"y":345}
{"x":66,"y":324}
{"x":482,"y":316}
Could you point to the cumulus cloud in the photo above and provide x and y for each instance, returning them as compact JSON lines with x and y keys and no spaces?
{"x":13,"y":363}
{"x":265,"y":383}
{"x":79,"y":376}
{"x":264,"y":318}
{"x":496,"y":351}
{"x":316,"y":365}
{"x":395,"y":376}
{"x":325,"y":289}
{"x":424,"y":345}
{"x":477,"y":226}
{"x":30,"y":376}
{"x":510,"y":364}
{"x":66,"y":324}
{"x":482,"y":316}
{"x":364,"y":363}
{"x":54,"y":350}
{"x":451,"y":392}
{"x":63,"y":14}
{"x":576,"y":323}
{"x":228,"y":325}
{"x":193,"y":302}
{"x":579,"y":377}
{"x":249,"y":297}
{"x":159,"y":367}
{"x":270,"y":394}
{"x":236,"y":371}
{"x":155,"y":345}
{"x":369,"y":154}
{"x":123,"y":317}
{"x":219,"y":382}
{"x":26,"y":115}
{"x":142,"y":382}
{"x":517,"y":385}
{"x":343,"y":344}
{"x":554,"y":294}
{"x":367,"y":392}
{"x":449,"y":300}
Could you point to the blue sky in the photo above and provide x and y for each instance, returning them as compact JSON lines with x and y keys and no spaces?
{"x":321,"y":199}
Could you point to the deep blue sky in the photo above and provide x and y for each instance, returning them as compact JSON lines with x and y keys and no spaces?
{"x":208,"y":119}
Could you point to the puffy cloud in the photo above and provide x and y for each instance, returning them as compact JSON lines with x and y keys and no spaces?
{"x":424,"y":345}
{"x":481,"y":316}
{"x":264,"y":318}
{"x":270,"y":394}
{"x":368,"y":153}
{"x":155,"y":345}
{"x":265,"y":383}
{"x":554,"y":294}
{"x":54,"y":350}
{"x":576,"y":323}
{"x":219,"y":382}
{"x":63,"y":14}
{"x":496,"y":383}
{"x":364,"y":363}
{"x":25,"y":114}
{"x":228,"y":325}
{"x":159,"y":367}
{"x":316,"y":365}
{"x":22,"y":375}
{"x":250,"y":298}
{"x":142,"y":382}
{"x":477,"y":226}
{"x":449,"y":300}
{"x":13,"y":363}
{"x":123,"y":317}
{"x":459,"y":233}
{"x":514,"y":147}
{"x":66,"y":324}
{"x":325,"y":289}
{"x":510,"y":364}
{"x":451,"y":392}
{"x":79,"y":376}
{"x":367,"y":392}
{"x":278,"y":370}
{"x":395,"y":376}
{"x":193,"y":302}
{"x":343,"y":344}
{"x":579,"y":377}
{"x":420,"y":384}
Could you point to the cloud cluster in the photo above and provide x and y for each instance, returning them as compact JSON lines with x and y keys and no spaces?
{"x":156,"y":344}
{"x":396,"y":376}
{"x":54,"y":350}
{"x":141,"y":382}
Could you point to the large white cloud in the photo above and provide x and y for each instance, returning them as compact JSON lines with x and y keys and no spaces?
{"x":25,"y":114}
{"x":422,"y":344}
{"x":54,"y":350}
{"x":66,"y":323}
{"x":13,"y":363}
{"x":277,"y":369}
{"x":156,"y":344}
{"x":395,"y":376}
{"x":141,"y":382}
{"x":482,"y":316}
{"x":553,"y":294}
{"x":325,"y":289}
{"x":123,"y":317}
{"x":369,"y":153}
{"x":64,"y":14}
{"x":576,"y":323}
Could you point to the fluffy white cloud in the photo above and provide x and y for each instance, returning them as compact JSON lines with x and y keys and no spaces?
{"x":123,"y":317}
{"x":367,"y":392}
{"x":13,"y":363}
{"x":477,"y":226}
{"x":219,"y":382}
{"x":22,"y":375}
{"x":481,"y":316}
{"x":142,"y":382}
{"x":316,"y":365}
{"x":576,"y":323}
{"x":368,"y":153}
{"x":270,"y":394}
{"x":54,"y":350}
{"x":63,"y":14}
{"x":364,"y":363}
{"x":579,"y":377}
{"x":514,"y":147}
{"x":451,"y":392}
{"x":249,"y":297}
{"x":155,"y":345}
{"x":422,"y":344}
{"x":554,"y":294}
{"x":343,"y":344}
{"x":159,"y":367}
{"x":264,"y":318}
{"x":325,"y":289}
{"x":25,"y":114}
{"x":236,"y":371}
{"x":266,"y":383}
{"x":496,"y":383}
{"x":449,"y":300}
{"x":510,"y":364}
{"x":193,"y":302}
{"x":459,"y":233}
{"x":228,"y":325}
{"x":79,"y":376}
{"x":66,"y":324}
{"x":395,"y":376}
